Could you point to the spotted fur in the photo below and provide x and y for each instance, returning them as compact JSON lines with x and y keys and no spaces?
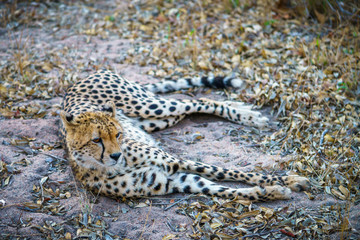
{"x":169,"y":85}
{"x":105,"y":123}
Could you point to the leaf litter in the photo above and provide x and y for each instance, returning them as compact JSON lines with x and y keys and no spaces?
{"x":306,"y":72}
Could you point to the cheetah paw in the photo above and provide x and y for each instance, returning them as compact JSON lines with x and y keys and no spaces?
{"x":297,"y":183}
{"x":260,"y":122}
{"x":278,"y":192}
{"x":248,"y":116}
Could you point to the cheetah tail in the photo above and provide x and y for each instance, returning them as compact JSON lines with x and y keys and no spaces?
{"x":170,"y":85}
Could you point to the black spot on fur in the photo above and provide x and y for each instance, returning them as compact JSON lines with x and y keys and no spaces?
{"x":158,"y":112}
{"x":175,"y":168}
{"x":157,"y":187}
{"x":187,"y":189}
{"x":144,"y":178}
{"x":152,"y":180}
{"x":205,"y":191}
{"x":220,"y":176}
{"x":183,"y":178}
{"x":153,"y":106}
{"x":218,"y":82}
{"x":205,"y":81}
{"x":200,"y":169}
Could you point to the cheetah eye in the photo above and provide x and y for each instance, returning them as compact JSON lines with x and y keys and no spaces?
{"x":96,"y":140}
{"x":118,"y":134}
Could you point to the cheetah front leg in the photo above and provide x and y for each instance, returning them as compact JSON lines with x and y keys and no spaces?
{"x":294,"y":182}
{"x":191,"y":183}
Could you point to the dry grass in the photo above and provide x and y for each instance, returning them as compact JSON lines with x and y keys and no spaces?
{"x":333,"y":12}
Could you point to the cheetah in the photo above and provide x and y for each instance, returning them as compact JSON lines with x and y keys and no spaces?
{"x":106,"y":121}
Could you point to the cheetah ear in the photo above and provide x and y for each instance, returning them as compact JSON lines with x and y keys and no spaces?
{"x":109,"y":107}
{"x":67,"y":119}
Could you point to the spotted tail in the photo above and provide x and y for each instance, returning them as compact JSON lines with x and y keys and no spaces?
{"x":169,"y":85}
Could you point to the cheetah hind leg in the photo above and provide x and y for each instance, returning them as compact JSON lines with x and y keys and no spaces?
{"x":191,"y":183}
{"x":238,"y":112}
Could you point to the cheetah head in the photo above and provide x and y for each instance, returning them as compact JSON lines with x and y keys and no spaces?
{"x":93,"y":138}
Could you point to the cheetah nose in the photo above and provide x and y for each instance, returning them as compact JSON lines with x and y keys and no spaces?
{"x":115,"y":156}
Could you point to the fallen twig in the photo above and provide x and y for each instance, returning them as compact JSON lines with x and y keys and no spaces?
{"x":185,"y":198}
